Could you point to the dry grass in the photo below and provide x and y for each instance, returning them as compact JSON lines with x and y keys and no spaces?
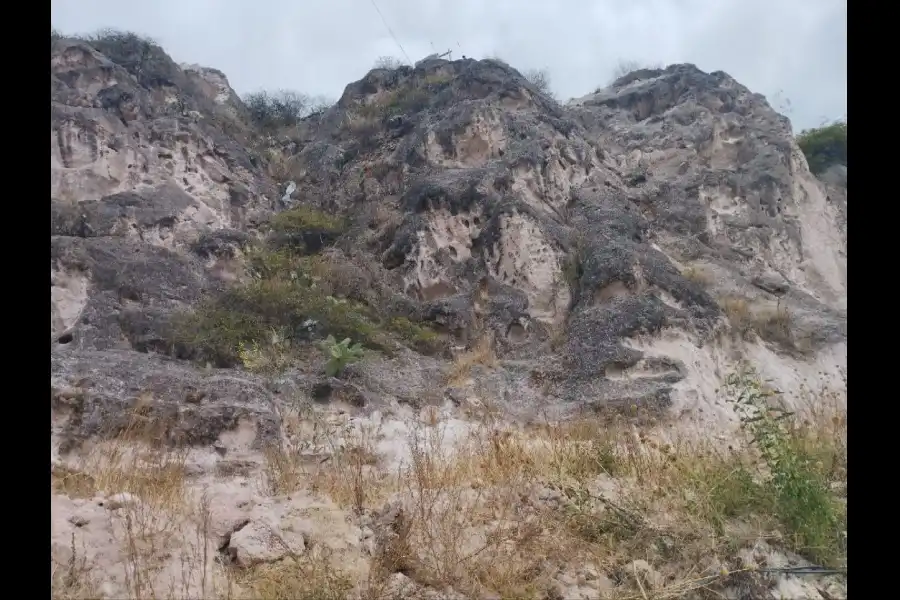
{"x":770,"y":324}
{"x":481,"y":353}
{"x":313,"y":577}
{"x":132,"y":462}
{"x":477,"y":519}
{"x":278,"y":164}
{"x":774,"y":325}
{"x":158,"y":518}
{"x":698,"y":275}
{"x":336,"y":460}
{"x":73,"y":578}
{"x":738,"y":313}
{"x":501,"y":512}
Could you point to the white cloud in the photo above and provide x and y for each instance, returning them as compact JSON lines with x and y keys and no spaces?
{"x":795,"y":49}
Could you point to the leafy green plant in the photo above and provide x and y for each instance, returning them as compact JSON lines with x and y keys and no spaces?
{"x":803,"y":502}
{"x":340,"y":354}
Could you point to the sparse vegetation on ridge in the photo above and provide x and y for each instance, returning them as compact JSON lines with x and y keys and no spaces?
{"x":138,"y":54}
{"x":275,"y":111}
{"x":697,"y":274}
{"x":625,"y":67}
{"x":388,"y":62}
{"x":540,"y":79}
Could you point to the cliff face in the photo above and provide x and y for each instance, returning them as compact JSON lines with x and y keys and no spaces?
{"x":494,"y":252}
{"x":600,"y":245}
{"x":668,"y":211}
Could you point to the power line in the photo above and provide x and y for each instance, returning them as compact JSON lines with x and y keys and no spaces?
{"x":388,"y":27}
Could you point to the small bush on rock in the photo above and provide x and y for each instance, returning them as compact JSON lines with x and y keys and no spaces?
{"x":540,"y":79}
{"x":824,"y":146}
{"x":388,"y":62}
{"x":214,"y":334}
{"x":272,"y":111}
{"x":268,"y":358}
{"x":773,"y":325}
{"x":419,"y":336}
{"x":626,"y":67}
{"x":413,"y":96}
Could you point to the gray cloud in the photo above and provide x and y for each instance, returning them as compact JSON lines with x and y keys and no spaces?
{"x":792,"y":50}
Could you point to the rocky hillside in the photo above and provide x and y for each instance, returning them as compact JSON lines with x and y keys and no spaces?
{"x":485,"y":246}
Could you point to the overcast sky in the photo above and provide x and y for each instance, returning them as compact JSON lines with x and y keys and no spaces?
{"x":789,"y":50}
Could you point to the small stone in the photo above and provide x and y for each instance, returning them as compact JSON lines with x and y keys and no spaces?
{"x":78,"y":520}
{"x":456,"y":395}
{"x":120,"y":500}
{"x":399,"y":585}
{"x":370,"y":546}
{"x":255,"y":542}
{"x":193,"y":470}
{"x":648,"y":574}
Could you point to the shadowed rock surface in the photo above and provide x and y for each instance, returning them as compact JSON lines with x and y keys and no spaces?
{"x":580,"y":238}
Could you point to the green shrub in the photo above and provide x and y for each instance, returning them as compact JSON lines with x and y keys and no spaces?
{"x":273,"y":264}
{"x":220,"y":328}
{"x":813,"y":520}
{"x":304,"y":219}
{"x":285,"y":291}
{"x":214,"y":334}
{"x":722,"y":488}
{"x":289,"y":302}
{"x":824,"y":146}
{"x":420,"y":337}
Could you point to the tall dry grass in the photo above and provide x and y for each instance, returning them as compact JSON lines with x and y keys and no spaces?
{"x":503,"y":512}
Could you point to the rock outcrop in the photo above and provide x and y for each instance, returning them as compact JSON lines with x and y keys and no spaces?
{"x":148,"y":170}
{"x":622,"y":249}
